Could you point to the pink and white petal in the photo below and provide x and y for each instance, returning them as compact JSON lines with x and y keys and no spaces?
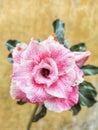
{"x":16,"y":93}
{"x":79,"y":75}
{"x":81,"y":57}
{"x":50,"y":41}
{"x":17,"y":52}
{"x":39,"y":79}
{"x":57,"y":104}
{"x":22,"y":70}
{"x":74,"y":96}
{"x":35,"y":51}
{"x":51,"y":66}
{"x":62,"y":58}
{"x":36,"y":93}
{"x":62,"y":86}
{"x":62,"y":104}
{"x":64,"y":64}
{"x":56,"y":90}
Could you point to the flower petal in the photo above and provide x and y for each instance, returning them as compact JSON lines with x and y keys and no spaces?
{"x":35,"y":52}
{"x":74,"y":96}
{"x":16,"y":93}
{"x":17,"y":52}
{"x":23,"y":70}
{"x":36,"y":93}
{"x":62,"y":86}
{"x":49,"y":64}
{"x":61,"y":104}
{"x":79,"y":75}
{"x":81,"y":57}
{"x":61,"y":55}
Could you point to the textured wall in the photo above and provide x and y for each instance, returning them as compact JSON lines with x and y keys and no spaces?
{"x":23,"y":19}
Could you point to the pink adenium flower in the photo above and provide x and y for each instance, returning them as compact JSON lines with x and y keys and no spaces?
{"x":47,"y":73}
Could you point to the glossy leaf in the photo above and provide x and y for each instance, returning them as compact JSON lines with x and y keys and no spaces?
{"x":40,"y":115}
{"x":87,"y":94}
{"x":78,"y":47}
{"x":10,"y":59}
{"x":11,"y":44}
{"x":59,"y":29}
{"x":76,"y":109}
{"x":66,"y":43}
{"x":89,"y":69}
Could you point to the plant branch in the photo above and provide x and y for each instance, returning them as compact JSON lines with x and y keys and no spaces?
{"x":32,"y":115}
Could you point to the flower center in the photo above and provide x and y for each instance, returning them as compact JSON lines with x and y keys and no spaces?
{"x":45,"y":72}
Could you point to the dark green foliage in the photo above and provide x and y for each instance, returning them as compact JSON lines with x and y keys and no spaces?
{"x":11,"y":44}
{"x":59,"y":30}
{"x":40,"y":115}
{"x":89,"y":69}
{"x":76,"y":109}
{"x":20,"y":102}
{"x":78,"y":47}
{"x":65,"y":43}
{"x":87,"y":94}
{"x":40,"y":40}
{"x":10,"y":59}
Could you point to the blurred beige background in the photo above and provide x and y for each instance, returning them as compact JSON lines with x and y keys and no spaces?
{"x":23,"y":19}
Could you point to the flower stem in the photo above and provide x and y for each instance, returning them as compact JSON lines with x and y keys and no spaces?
{"x":32,"y":115}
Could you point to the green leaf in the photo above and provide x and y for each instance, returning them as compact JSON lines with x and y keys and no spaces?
{"x":40,"y":115}
{"x":10,"y":59}
{"x":59,"y":29}
{"x":40,"y":40}
{"x":76,"y":109}
{"x":20,"y":102}
{"x":11,"y":44}
{"x":87,"y":94}
{"x":78,"y":47}
{"x":65,"y":43}
{"x":89,"y":69}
